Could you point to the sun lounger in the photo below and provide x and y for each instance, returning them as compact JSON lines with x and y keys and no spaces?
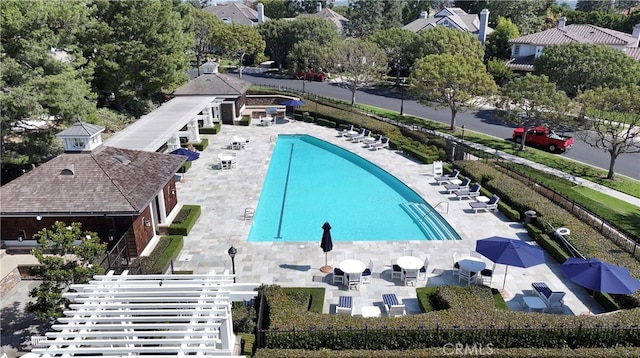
{"x":384,"y":143}
{"x":346,"y":131}
{"x":345,"y":305}
{"x":371,"y":141}
{"x":446,"y":179}
{"x":553,"y":299}
{"x":474,"y":191}
{"x":392,"y":305}
{"x":353,"y":135}
{"x":492,"y":204}
{"x":366,"y":134}
{"x":451,"y":188}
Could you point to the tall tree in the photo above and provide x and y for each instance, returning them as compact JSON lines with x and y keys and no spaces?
{"x":498,"y":45}
{"x":70,"y":258}
{"x":451,"y":81}
{"x":358,"y":63}
{"x":396,"y":44}
{"x":413,"y":8}
{"x":594,"y":5}
{"x":44,"y":79}
{"x":139,"y":48}
{"x":577,"y":67}
{"x":612,"y":121}
{"x":530,"y":101}
{"x":441,"y":40}
{"x":366,"y":17}
{"x":528,"y":16}
{"x":205,"y":27}
{"x":280,"y":9}
{"x":239,"y":41}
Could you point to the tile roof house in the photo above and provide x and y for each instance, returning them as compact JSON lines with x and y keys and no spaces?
{"x":95,"y":185}
{"x":454,"y":18}
{"x":525,"y":49}
{"x":330,"y":15}
{"x":238,"y":13}
{"x":230,"y":90}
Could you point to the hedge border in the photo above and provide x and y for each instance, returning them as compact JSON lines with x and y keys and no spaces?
{"x":185,"y":227}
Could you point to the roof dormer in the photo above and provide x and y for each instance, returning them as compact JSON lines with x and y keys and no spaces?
{"x":81,"y":137}
{"x":209,"y":67}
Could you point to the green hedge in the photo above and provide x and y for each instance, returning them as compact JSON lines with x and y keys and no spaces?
{"x":204,"y":143}
{"x":460,"y":314}
{"x":185,"y":226}
{"x":245,"y":121}
{"x":424,"y":157}
{"x":326,"y":123}
{"x":211,"y":130}
{"x":167,"y":249}
{"x":185,"y":167}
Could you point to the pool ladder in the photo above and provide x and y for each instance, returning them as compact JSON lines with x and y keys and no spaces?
{"x":272,"y":138}
{"x":443,"y":202}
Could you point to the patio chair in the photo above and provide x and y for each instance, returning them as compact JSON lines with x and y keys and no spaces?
{"x":487,"y":275}
{"x":492,"y":204}
{"x":355,"y":279}
{"x":446,"y":179}
{"x":466,"y":275}
{"x":350,"y":136}
{"x":455,"y":265}
{"x":357,"y":139}
{"x":345,"y":131}
{"x":367,"y":273}
{"x":392,"y":305}
{"x":422,"y":273}
{"x":451,"y":188}
{"x":345,"y":305}
{"x":384,"y":143}
{"x":372,"y":140}
{"x":473,"y":191}
{"x":407,"y":252}
{"x":338,"y":276}
{"x":437,"y":168}
{"x":248,"y":213}
{"x":553,"y":299}
{"x":396,"y":271}
{"x":411,"y":277}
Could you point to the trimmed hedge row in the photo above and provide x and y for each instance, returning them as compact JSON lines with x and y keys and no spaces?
{"x":185,"y":167}
{"x":168,"y":248}
{"x":204,"y":143}
{"x":583,"y":237}
{"x":467,"y":315}
{"x":211,"y":130}
{"x":245,"y":121}
{"x":185,"y":226}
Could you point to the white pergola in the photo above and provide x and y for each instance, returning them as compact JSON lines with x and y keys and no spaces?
{"x":150,"y":315}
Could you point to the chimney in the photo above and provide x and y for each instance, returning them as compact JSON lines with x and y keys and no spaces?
{"x":318,"y":6}
{"x":424,"y":14}
{"x":484,"y":21}
{"x":636,"y":35}
{"x":562,"y":22}
{"x":260,"y":8}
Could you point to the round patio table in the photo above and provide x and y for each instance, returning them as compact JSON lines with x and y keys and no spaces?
{"x":472,"y":264}
{"x":352,"y":266}
{"x":409,"y":263}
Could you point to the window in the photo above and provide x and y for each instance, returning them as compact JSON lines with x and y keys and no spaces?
{"x":516,"y":50}
{"x":77,"y":142}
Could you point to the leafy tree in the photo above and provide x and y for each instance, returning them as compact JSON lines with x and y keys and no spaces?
{"x":205,"y":26}
{"x":612,"y":20}
{"x":366,"y":17}
{"x":310,"y":6}
{"x":530,"y":101}
{"x":497,"y":45}
{"x":358,"y":63}
{"x":612,"y":121}
{"x":593,"y":5}
{"x":138,"y":48}
{"x":239,"y":41}
{"x":412,"y":9}
{"x":40,"y":92}
{"x":66,"y":256}
{"x":577,"y":67}
{"x":396,"y":44}
{"x":451,"y":81}
{"x":279,"y":9}
{"x":443,"y":40}
{"x":500,"y":73}
{"x":309,"y":56}
{"x":528,"y":15}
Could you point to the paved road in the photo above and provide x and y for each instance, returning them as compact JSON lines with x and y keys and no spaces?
{"x":482,"y":121}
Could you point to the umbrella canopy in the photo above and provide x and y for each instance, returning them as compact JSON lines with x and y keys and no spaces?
{"x":600,"y":276}
{"x":509,"y":252}
{"x":293,"y":103}
{"x":327,"y":245}
{"x":191,"y":156}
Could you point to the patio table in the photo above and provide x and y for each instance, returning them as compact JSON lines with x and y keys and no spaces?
{"x":352,"y":266}
{"x":472,"y":264}
{"x":410,"y":263}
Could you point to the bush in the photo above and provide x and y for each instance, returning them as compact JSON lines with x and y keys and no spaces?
{"x":185,"y":226}
{"x":204,"y":143}
{"x":326,"y":123}
{"x":185,"y":167}
{"x":167,"y":249}
{"x":211,"y":130}
{"x":245,"y":121}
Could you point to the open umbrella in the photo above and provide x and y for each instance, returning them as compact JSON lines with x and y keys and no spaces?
{"x":327,"y":245}
{"x":191,"y":156}
{"x":600,"y":276}
{"x":509,"y":252}
{"x":293,"y":103}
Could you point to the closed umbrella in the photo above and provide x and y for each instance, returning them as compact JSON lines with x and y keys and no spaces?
{"x":600,"y":276}
{"x":509,"y":252}
{"x":327,"y":245}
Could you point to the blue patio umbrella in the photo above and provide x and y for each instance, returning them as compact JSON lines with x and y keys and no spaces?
{"x":327,"y":245}
{"x":191,"y":155}
{"x":509,"y":252}
{"x":600,"y":276}
{"x":293,"y":103}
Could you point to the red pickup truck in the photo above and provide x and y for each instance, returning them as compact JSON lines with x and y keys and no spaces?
{"x":311,"y":76}
{"x":543,"y":137}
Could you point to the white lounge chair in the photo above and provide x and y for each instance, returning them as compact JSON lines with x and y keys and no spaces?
{"x":553,"y":299}
{"x":372,"y":140}
{"x":384,"y":143}
{"x":473,"y":191}
{"x":345,"y":305}
{"x":446,"y":179}
{"x":392,"y":305}
{"x":346,"y":131}
{"x":352,"y":135}
{"x":492,"y":204}
{"x":366,"y":134}
{"x":452,"y":188}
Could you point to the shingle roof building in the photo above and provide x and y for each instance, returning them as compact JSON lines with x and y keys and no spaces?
{"x":453,"y":17}
{"x":238,"y":13}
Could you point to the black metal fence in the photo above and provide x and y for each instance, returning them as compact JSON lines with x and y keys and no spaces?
{"x":118,"y":260}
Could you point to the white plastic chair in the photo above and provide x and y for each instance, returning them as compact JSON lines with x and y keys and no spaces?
{"x":367,"y":273}
{"x":411,"y":277}
{"x":396,"y":271}
{"x":455,"y":264}
{"x":407,"y":252}
{"x":487,"y":275}
{"x":422,"y":273}
{"x":354,"y":280}
{"x":466,"y":275}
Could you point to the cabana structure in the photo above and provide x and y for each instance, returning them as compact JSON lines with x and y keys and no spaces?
{"x":150,"y":315}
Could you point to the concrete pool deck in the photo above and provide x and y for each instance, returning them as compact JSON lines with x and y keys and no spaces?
{"x":224,"y":194}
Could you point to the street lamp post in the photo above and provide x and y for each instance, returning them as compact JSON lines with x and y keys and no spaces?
{"x":462,"y":133}
{"x":232,"y":253}
{"x":316,"y":114}
{"x":402,"y":102}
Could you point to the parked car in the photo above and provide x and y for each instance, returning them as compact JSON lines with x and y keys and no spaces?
{"x":543,"y":137}
{"x":311,"y":76}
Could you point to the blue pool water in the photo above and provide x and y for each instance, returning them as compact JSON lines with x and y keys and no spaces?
{"x":310,"y":181}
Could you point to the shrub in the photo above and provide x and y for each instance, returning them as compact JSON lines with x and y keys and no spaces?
{"x":204,"y":143}
{"x":183,"y":227}
{"x":245,"y":121}
{"x":167,"y":249}
{"x":326,"y":123}
{"x":185,"y":167}
{"x":211,"y":130}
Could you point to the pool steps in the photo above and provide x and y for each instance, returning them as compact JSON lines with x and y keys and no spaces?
{"x":427,"y":218}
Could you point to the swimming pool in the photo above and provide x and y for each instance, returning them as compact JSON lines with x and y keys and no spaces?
{"x":310,"y":181}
